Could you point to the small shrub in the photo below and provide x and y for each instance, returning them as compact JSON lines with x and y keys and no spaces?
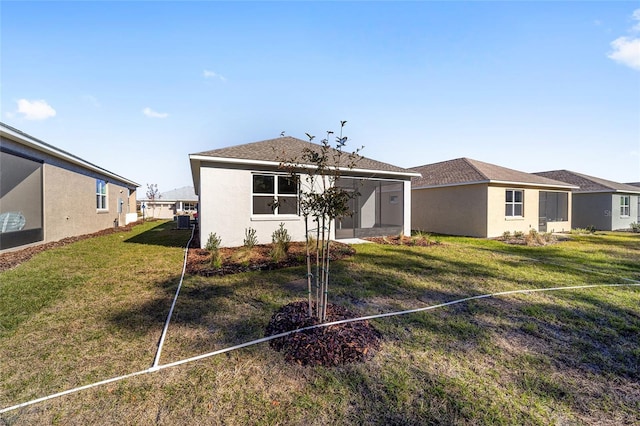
{"x":250,"y":238}
{"x":213,"y":247}
{"x":588,"y":230}
{"x":420,"y":238}
{"x":518,"y":235}
{"x":635,"y":227}
{"x":506,"y":235}
{"x":534,"y":238}
{"x":281,"y":241}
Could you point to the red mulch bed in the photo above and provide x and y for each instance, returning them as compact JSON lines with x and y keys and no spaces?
{"x":14,"y":258}
{"x":329,"y":346}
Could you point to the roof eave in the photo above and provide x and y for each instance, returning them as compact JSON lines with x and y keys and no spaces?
{"x":498,"y":182}
{"x":608,"y":191}
{"x":241,"y":161}
{"x":542,"y":185}
{"x":38,"y":145}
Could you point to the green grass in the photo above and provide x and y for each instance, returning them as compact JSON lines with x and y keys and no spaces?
{"x":95,"y":309}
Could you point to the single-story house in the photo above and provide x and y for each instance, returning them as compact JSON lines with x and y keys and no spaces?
{"x":472,"y":198}
{"x":47,"y":194}
{"x":601,"y":203}
{"x":180,"y":201}
{"x":237,"y":185}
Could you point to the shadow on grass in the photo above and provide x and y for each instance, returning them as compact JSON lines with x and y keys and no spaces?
{"x":164,"y":234}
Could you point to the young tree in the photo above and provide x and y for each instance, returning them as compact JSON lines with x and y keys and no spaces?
{"x":153,"y":194}
{"x":321,"y":201}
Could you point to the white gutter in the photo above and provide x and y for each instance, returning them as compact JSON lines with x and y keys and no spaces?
{"x":608,"y":191}
{"x":498,"y":182}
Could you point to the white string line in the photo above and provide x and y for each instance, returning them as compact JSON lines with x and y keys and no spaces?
{"x":276,"y":336}
{"x":173,"y":304}
{"x":155,"y":367}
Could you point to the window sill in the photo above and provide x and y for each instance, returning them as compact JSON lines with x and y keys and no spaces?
{"x":514,"y":218}
{"x":102,"y":211}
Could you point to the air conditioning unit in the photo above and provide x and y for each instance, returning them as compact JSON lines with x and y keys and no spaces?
{"x":184,"y":222}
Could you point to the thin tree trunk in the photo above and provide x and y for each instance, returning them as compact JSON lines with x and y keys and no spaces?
{"x":322,"y":271}
{"x":317,"y":277}
{"x":326,"y":276}
{"x":309,"y":275}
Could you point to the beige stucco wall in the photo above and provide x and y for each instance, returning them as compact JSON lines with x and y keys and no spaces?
{"x":498,"y":223}
{"x":454,"y":210}
{"x":160,"y":210}
{"x":477,"y":210}
{"x":70,"y":204}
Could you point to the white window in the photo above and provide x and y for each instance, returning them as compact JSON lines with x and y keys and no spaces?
{"x":101,"y":194}
{"x":274,"y":195}
{"x":514,"y":203}
{"x":186,"y":206}
{"x":625,"y":205}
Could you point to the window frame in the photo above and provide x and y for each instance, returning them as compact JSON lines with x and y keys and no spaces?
{"x":102,"y":201}
{"x":276,"y":194}
{"x":511,"y":205}
{"x":625,"y":206}
{"x":557,"y":202}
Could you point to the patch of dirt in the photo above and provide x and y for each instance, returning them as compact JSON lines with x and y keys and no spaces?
{"x":257,"y":258}
{"x":11,"y":259}
{"x":329,"y":346}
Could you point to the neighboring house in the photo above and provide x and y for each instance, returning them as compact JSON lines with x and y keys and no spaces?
{"x":180,"y":201}
{"x":601,"y":203}
{"x":47,"y":194}
{"x":638,"y":185}
{"x":472,"y":198}
{"x":237,"y":185}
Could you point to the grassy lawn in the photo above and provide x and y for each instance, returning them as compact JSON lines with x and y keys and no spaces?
{"x":95,"y":310}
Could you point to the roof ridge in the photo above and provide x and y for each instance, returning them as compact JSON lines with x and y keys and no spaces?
{"x":470,"y":161}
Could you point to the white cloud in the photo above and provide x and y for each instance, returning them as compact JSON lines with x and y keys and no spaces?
{"x":636,"y":16}
{"x":154,"y":114}
{"x":35,"y":110}
{"x":212,"y":74}
{"x":626,"y":50}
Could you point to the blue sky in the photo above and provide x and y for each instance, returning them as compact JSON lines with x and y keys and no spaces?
{"x":135,"y":87}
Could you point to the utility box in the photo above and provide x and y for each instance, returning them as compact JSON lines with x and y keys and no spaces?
{"x":184,"y":222}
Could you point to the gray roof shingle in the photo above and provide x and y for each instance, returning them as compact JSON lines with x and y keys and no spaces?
{"x":463,"y":171}
{"x":286,"y":147}
{"x":588,"y":183}
{"x":186,"y":193}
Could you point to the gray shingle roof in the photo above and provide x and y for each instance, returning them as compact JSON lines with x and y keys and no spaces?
{"x":588,"y":183}
{"x":274,"y":150}
{"x":185,"y":193}
{"x":463,"y":171}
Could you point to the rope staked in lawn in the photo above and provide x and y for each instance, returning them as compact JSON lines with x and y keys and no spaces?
{"x":173,"y":304}
{"x":327,"y":324}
